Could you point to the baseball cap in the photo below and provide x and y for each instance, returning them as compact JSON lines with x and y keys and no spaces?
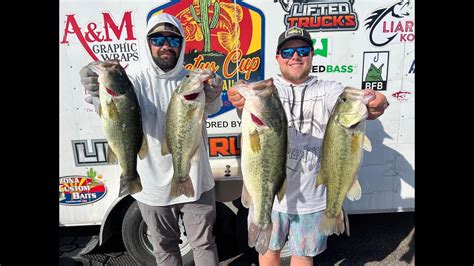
{"x":164,"y":27}
{"x":294,"y":33}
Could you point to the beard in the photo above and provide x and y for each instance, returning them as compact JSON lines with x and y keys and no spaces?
{"x":292,"y":76}
{"x":166,"y":60}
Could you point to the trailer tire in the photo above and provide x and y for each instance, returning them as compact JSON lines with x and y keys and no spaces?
{"x":135,"y":239}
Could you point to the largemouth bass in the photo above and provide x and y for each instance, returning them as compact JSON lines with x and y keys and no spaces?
{"x":121,"y":122}
{"x":263,"y":157}
{"x":341,"y":156}
{"x":184,"y":124}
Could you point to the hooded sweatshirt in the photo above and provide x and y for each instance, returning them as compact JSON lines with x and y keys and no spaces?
{"x":154,"y":88}
{"x":308,"y":107}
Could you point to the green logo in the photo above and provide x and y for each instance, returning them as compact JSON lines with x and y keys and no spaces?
{"x":374,"y":73}
{"x":323,"y":51}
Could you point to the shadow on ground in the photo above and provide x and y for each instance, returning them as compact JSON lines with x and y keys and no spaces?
{"x":383,"y":238}
{"x":375,"y":239}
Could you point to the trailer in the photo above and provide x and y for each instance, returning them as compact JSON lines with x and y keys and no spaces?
{"x":360,"y":43}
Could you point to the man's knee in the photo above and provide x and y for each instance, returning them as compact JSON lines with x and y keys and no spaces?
{"x":271,"y":251}
{"x":166,"y":245}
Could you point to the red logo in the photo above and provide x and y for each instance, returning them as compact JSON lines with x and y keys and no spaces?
{"x":110,"y":41}
{"x":401,"y":95}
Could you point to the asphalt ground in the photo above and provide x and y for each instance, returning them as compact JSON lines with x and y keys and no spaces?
{"x":375,"y":239}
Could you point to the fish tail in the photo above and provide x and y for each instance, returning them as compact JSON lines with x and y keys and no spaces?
{"x":130,"y":185}
{"x":182,"y":187}
{"x":259,"y":237}
{"x":331,"y":225}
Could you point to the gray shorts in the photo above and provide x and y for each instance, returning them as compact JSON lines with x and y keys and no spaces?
{"x":198,"y":218}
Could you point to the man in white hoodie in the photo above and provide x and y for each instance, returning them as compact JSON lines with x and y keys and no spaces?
{"x":154,"y":86}
{"x":308,"y":102}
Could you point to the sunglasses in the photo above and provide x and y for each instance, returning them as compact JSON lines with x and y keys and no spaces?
{"x":160,"y":41}
{"x":288,"y":53}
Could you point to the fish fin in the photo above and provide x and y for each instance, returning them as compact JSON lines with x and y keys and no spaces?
{"x":196,"y":157}
{"x":246,"y":198}
{"x":164,"y":146}
{"x":259,"y":237}
{"x":346,"y":221}
{"x":96,"y":67}
{"x":244,"y":91}
{"x":355,"y":192}
{"x":112,"y":158}
{"x":282,"y":191}
{"x":254,"y":142}
{"x":190,"y":112}
{"x":123,"y":189}
{"x":331,"y":225}
{"x":112,"y":110}
{"x":143,"y":149}
{"x":130,"y":185}
{"x":99,"y":111}
{"x":367,"y":145}
{"x":321,"y":179}
{"x":184,"y":187}
{"x":202,"y":121}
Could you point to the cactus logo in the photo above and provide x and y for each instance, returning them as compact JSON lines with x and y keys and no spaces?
{"x":214,"y":39}
{"x":80,"y":190}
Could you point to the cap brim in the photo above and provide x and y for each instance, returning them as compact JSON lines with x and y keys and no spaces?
{"x":164,"y":27}
{"x":162,"y":31}
{"x":310,"y":43}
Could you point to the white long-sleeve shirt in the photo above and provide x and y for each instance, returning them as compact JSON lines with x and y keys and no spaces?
{"x":308,"y":107}
{"x":154,"y":88}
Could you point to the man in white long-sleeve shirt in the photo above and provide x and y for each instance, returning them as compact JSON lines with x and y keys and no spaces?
{"x":154,"y":86}
{"x":308,"y":102}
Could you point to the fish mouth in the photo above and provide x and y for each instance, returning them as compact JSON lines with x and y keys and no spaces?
{"x":257,"y":120}
{"x":354,"y":125}
{"x":191,"y":96}
{"x":112,"y":92}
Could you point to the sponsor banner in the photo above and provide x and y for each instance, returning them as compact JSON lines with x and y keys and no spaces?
{"x":224,"y":146}
{"x":90,"y":152}
{"x":391,"y":25}
{"x":322,"y":58}
{"x":403,"y":95}
{"x":375,"y":70}
{"x":215,"y":39}
{"x":333,"y":69}
{"x":109,"y":36}
{"x":320,"y":15}
{"x":80,"y":190}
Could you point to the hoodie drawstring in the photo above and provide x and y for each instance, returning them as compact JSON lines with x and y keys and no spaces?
{"x":301,"y":107}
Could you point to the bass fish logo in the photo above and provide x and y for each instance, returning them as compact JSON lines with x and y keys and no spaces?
{"x":294,"y":32}
{"x":375,"y":71}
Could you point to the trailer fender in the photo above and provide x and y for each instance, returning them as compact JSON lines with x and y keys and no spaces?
{"x":112,"y":221}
